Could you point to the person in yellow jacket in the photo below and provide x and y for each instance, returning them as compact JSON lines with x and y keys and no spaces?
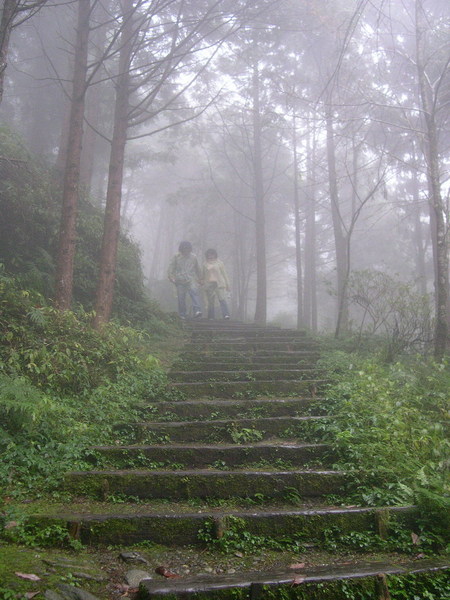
{"x":216,"y":283}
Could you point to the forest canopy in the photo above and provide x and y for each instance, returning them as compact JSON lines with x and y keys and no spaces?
{"x":307,"y":142}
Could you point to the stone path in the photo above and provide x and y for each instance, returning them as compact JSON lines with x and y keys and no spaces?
{"x":244,"y":442}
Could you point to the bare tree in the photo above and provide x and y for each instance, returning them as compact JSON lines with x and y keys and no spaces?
{"x":430,"y":85}
{"x":167,"y":46}
{"x":13,"y":14}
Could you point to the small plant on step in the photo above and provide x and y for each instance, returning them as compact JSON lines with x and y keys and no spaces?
{"x":18,"y":529}
{"x":293,"y":496}
{"x":245,"y":435}
{"x":231,"y":536}
{"x":219,"y":465}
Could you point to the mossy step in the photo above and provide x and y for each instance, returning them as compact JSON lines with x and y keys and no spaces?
{"x":231,"y":325}
{"x":242,"y":374}
{"x":282,"y":356}
{"x":179,"y":485}
{"x":182,"y":527}
{"x":223,"y":430}
{"x":267,"y":336}
{"x":328,"y":582}
{"x":228,"y":408}
{"x":234,"y":389}
{"x":225,"y":331}
{"x":212,"y":364}
{"x":250,"y":345}
{"x":200,"y":456}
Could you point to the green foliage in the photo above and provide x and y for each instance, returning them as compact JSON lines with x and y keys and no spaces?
{"x":419,"y":587}
{"x":7,"y":594}
{"x":400,"y":539}
{"x":44,"y":345}
{"x":21,"y":405}
{"x":30,"y":208}
{"x":245,"y":435}
{"x":33,"y":534}
{"x":62,"y":387}
{"x":390,"y":429}
{"x":236,"y":539}
{"x":393,"y":308}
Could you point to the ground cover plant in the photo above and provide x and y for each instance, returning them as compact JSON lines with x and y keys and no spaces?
{"x":389,"y":429}
{"x":62,"y":387}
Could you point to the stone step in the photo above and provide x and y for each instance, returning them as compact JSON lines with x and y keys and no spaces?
{"x":130,"y":524}
{"x":234,"y":389}
{"x":223,"y":430}
{"x":214,"y":364}
{"x":325,"y":582}
{"x":232,"y":356}
{"x":194,"y":456}
{"x":199,"y":325}
{"x":250,"y":346}
{"x":242,"y":375}
{"x":250,"y":336}
{"x":227,"y":408}
{"x":185,"y":484}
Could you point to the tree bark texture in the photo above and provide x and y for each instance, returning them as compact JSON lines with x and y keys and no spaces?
{"x":436,"y":204}
{"x":9,"y":11}
{"x":67,"y":232}
{"x":261,"y":268}
{"x":339,"y":237}
{"x":310,"y":280}
{"x":418,"y":239}
{"x":111,"y":230}
{"x":297,"y":221}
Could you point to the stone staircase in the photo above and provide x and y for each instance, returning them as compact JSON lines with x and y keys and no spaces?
{"x":242,"y":444}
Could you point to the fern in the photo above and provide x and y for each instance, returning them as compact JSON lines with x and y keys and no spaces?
{"x":21,"y":404}
{"x":36,"y":316}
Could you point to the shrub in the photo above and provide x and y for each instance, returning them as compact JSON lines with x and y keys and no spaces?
{"x":390,"y":428}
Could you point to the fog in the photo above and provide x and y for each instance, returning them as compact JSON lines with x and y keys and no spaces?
{"x":308,"y":143}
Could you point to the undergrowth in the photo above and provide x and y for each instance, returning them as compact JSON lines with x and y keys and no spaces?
{"x":63,"y":385}
{"x":389,"y":430}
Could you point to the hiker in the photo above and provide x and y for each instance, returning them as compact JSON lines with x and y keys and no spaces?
{"x":216,"y":283}
{"x":184,"y":272}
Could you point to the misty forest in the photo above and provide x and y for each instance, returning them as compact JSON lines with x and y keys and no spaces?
{"x":308,"y":143}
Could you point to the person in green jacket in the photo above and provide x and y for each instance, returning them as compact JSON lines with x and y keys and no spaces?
{"x":215,"y":280}
{"x":184,"y":271}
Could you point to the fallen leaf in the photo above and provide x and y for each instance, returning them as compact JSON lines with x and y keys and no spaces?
{"x":30,"y":595}
{"x":298,"y":580}
{"x":415,"y":539}
{"x":165,"y":572}
{"x":239,"y":554}
{"x":419,"y":556}
{"x":11,"y":524}
{"x":297,"y":566}
{"x":29,"y":576}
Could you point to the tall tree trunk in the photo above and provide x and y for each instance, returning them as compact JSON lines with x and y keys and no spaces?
{"x":261,"y":268}
{"x":310,"y":287}
{"x":418,"y":239}
{"x":298,"y":250}
{"x":161,"y":230}
{"x":111,"y":229}
{"x":8,"y":13}
{"x":437,"y":208}
{"x":93,"y":103}
{"x":61,"y":157}
{"x":90,"y":139}
{"x":67,"y":232}
{"x":339,"y":237}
